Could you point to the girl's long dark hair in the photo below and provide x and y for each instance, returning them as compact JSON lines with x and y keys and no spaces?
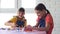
{"x":40,"y":7}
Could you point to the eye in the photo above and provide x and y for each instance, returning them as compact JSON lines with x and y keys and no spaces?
{"x":38,"y":12}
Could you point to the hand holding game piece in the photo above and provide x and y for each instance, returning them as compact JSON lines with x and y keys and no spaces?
{"x":28,"y":28}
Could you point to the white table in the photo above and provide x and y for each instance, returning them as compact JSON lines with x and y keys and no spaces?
{"x":20,"y":32}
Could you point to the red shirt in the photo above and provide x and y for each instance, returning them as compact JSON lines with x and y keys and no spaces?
{"x":49,"y":19}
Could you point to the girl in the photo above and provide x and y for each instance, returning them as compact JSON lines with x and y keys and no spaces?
{"x":44,"y":20}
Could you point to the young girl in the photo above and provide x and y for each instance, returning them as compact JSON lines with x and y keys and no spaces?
{"x":17,"y":21}
{"x":44,"y":20}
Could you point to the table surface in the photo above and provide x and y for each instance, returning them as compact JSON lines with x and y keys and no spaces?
{"x":6,"y":31}
{"x":20,"y":32}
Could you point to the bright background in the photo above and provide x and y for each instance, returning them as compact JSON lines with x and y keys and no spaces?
{"x":8,"y":9}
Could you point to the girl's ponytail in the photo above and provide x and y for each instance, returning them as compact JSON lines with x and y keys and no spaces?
{"x":48,"y":12}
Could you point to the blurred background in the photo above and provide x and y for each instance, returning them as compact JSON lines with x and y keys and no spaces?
{"x":9,"y":8}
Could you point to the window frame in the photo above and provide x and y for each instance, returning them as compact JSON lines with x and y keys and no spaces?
{"x":9,"y":10}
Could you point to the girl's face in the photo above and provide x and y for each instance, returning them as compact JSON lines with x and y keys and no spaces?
{"x":21,"y":14}
{"x":40,"y":14}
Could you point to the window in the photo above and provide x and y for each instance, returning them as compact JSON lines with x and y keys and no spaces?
{"x":7,"y":3}
{"x":28,"y":3}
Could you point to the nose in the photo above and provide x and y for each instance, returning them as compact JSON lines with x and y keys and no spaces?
{"x":39,"y":14}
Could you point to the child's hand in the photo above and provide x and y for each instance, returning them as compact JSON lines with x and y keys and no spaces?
{"x":28,"y":28}
{"x":9,"y":24}
{"x":35,"y":28}
{"x":12,"y":24}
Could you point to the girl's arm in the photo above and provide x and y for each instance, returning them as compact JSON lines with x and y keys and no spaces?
{"x":46,"y":28}
{"x":37,"y":24}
